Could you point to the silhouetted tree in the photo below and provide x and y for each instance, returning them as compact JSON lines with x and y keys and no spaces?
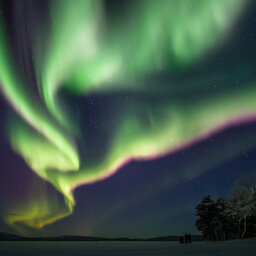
{"x":207,"y":211}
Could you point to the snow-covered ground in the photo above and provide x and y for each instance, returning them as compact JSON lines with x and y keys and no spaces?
{"x":225,"y":248}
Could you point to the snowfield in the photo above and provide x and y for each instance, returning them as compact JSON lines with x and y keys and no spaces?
{"x":224,"y":248}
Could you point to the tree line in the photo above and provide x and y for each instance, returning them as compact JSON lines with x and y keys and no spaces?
{"x":230,"y":217}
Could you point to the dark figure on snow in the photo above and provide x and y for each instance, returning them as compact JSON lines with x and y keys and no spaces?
{"x":186,"y":238}
{"x":181,"y":239}
{"x":189,"y":238}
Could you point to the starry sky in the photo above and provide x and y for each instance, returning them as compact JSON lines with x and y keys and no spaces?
{"x":116,"y":118}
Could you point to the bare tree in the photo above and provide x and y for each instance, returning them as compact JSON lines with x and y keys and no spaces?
{"x":243,"y":200}
{"x":248,"y":182}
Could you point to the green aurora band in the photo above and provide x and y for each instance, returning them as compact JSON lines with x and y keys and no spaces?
{"x":84,"y":52}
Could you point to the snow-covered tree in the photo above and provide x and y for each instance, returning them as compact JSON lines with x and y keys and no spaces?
{"x":231,"y":217}
{"x":243,"y":201}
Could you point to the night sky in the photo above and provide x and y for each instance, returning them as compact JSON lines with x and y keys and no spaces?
{"x":117,"y":117}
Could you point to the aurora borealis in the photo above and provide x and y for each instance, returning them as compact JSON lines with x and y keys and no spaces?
{"x":91,"y":87}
